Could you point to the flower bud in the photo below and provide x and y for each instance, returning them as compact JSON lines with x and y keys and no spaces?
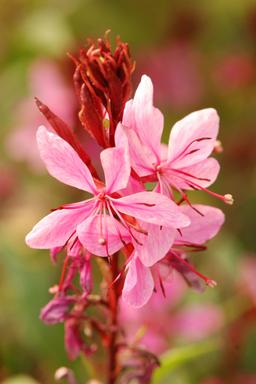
{"x":56,"y":310}
{"x":103,"y":84}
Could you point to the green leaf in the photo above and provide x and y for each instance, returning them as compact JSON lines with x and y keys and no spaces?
{"x":176,"y":357}
{"x":20,"y":379}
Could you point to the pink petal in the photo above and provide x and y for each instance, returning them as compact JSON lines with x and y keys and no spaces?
{"x":128,"y":115}
{"x":56,"y":228}
{"x":202,"y":228}
{"x":97,"y":228}
{"x":202,"y":174}
{"x":141,"y":156}
{"x":121,"y":140}
{"x":116,"y":166}
{"x":153,"y":208}
{"x":138,"y":285}
{"x":62,"y":162}
{"x":149,"y":120}
{"x":156,"y":243}
{"x":192,"y":138}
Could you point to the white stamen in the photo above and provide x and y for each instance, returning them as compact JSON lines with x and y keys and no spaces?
{"x":228,"y":199}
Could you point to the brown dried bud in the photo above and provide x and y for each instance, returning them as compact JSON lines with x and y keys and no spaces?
{"x":103,"y":84}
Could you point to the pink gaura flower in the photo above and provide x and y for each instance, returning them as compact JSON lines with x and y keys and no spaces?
{"x":103,"y":223}
{"x":185,"y":163}
{"x":142,"y":279}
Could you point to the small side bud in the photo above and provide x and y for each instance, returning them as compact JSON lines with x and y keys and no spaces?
{"x":211,"y":283}
{"x":61,"y":373}
{"x":102,"y":241}
{"x":218,"y":148}
{"x":228,"y":199}
{"x":56,"y":310}
{"x":65,"y":373}
{"x":54,"y":289}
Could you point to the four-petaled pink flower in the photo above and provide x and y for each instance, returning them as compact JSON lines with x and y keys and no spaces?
{"x":105,"y":222}
{"x":185,"y":163}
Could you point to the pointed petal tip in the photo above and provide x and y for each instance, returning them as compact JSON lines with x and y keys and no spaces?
{"x":41,"y":130}
{"x":27,"y":240}
{"x":146,"y":78}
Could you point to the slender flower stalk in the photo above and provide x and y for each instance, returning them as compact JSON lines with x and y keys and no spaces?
{"x":138,"y":237}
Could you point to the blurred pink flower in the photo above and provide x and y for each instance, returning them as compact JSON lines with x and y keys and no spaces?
{"x":153,"y":318}
{"x":234,"y":71}
{"x":158,"y":323}
{"x":175,"y":71}
{"x":45,"y":82}
{"x":7,"y":182}
{"x":196,"y":322}
{"x":247,"y":281}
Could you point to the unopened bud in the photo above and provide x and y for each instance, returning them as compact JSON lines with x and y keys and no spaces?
{"x":61,"y":373}
{"x":218,"y":148}
{"x":211,"y":283}
{"x":54,"y":289}
{"x":65,"y":373}
{"x":228,"y":198}
{"x":102,"y":241}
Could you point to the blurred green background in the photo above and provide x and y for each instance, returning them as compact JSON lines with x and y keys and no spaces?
{"x":199,"y":54}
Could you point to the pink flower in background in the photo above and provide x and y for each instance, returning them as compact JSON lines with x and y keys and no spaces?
{"x":152,"y":320}
{"x":8,"y":181}
{"x":235,"y":71}
{"x":247,"y":281}
{"x":159,"y":322}
{"x":175,"y":71}
{"x":185,"y":164}
{"x":45,"y":82}
{"x":93,"y":220}
{"x":197,"y":322}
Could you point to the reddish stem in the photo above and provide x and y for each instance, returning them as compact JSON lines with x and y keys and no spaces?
{"x":113,"y":305}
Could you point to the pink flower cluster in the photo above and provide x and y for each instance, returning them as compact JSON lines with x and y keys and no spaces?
{"x":141,"y":209}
